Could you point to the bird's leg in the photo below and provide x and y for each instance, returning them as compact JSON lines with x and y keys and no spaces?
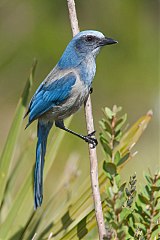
{"x":89,"y":138}
{"x":91,"y":90}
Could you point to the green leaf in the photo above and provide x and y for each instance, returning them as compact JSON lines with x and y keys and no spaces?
{"x":118,"y":136}
{"x":108,"y":215}
{"x":122,"y":187}
{"x":156,"y":215}
{"x":115,"y":189}
{"x":121,"y":234}
{"x":116,"y":109}
{"x":118,"y":206}
{"x":106,"y":136}
{"x":155,"y":232}
{"x":110,"y":168}
{"x":10,"y":145}
{"x":124,"y":214}
{"x":143,"y":199}
{"x":105,"y":146}
{"x":109,"y":113}
{"x":120,"y":122}
{"x":117,"y":179}
{"x":114,"y":225}
{"x":147,"y":190}
{"x":141,"y":226}
{"x":109,"y":200}
{"x":106,"y":126}
{"x":123,"y":159}
{"x":117,"y":157}
{"x":149,"y":179}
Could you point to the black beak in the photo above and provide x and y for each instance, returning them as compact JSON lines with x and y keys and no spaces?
{"x":107,"y":41}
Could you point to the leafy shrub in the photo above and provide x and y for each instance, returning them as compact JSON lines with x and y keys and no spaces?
{"x":129,"y":215}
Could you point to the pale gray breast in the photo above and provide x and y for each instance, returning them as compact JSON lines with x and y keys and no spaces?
{"x":88,"y":70}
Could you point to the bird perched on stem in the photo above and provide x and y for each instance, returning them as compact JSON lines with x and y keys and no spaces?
{"x":62,"y":93}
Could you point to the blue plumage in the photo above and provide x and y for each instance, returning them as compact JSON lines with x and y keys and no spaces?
{"x":43,"y":129}
{"x":62,"y":93}
{"x":50,"y":95}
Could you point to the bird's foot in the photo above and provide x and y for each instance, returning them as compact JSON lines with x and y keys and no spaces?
{"x":91,"y":139}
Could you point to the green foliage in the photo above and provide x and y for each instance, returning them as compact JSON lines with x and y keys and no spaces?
{"x":147,"y":209}
{"x":112,"y":132}
{"x":7,"y":154}
{"x":133,"y":217}
{"x":117,"y":142}
{"x":63,"y":215}
{"x":128,"y":215}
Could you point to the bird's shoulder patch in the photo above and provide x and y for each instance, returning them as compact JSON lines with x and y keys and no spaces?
{"x":50,"y":94}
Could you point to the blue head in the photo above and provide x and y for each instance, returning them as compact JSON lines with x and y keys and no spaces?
{"x":84,"y":44}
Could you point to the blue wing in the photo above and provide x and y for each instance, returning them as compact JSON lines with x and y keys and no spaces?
{"x":49,"y":95}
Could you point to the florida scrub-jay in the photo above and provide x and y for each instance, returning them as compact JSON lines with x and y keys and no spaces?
{"x":62,"y":93}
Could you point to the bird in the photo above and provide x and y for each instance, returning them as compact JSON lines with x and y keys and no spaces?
{"x":62,"y":93}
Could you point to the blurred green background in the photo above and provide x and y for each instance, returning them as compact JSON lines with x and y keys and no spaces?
{"x":127,"y":73}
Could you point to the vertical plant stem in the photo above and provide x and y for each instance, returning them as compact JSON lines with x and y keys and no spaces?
{"x":73,"y":17}
{"x":94,"y":173}
{"x":90,"y":128}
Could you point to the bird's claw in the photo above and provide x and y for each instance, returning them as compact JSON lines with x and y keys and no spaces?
{"x":91,"y":140}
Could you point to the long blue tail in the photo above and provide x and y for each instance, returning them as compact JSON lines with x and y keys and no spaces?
{"x":43,"y":129}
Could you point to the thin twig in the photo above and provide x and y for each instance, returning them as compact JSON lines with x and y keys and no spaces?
{"x":73,"y":17}
{"x":90,"y":128}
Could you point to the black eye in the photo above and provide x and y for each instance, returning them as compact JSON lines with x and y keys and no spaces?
{"x":89,"y":38}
